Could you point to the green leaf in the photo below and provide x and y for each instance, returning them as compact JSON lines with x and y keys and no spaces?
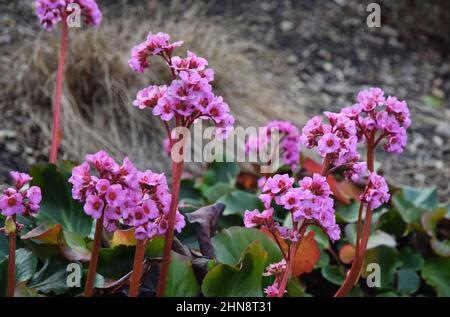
{"x":411,"y":259}
{"x":332,"y":274}
{"x":242,"y":280}
{"x":441,"y":248}
{"x":376,"y":239}
{"x":3,"y":246}
{"x":181,"y":281}
{"x":230,"y":243}
{"x":387,"y":259}
{"x":51,"y":277}
{"x":237,"y":202}
{"x":214,"y":192}
{"x":116,"y":262}
{"x":421,"y":197}
{"x":73,"y":247}
{"x":57,"y":206}
{"x":188,"y":192}
{"x":26,"y":264}
{"x":408,"y":281}
{"x":295,"y":288}
{"x":221,"y":172}
{"x":349,"y":213}
{"x":321,"y":237}
{"x":436,"y":272}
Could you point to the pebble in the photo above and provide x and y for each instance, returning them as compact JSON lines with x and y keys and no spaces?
{"x":286,"y":26}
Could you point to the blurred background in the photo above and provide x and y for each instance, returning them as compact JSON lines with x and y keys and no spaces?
{"x":282,"y":59}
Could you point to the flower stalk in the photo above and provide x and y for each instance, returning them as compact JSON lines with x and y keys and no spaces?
{"x":56,"y":130}
{"x":294,"y":246}
{"x":137,"y":268}
{"x":90,"y":281}
{"x":177,"y":171}
{"x":363,"y":233}
{"x":11,"y":261}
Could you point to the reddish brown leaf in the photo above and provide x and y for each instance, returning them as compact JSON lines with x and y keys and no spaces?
{"x":347,"y":253}
{"x":123,"y":237}
{"x":44,"y":233}
{"x":247,"y":181}
{"x":308,"y":253}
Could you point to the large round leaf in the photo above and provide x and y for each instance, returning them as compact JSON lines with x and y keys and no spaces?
{"x":181,"y":281}
{"x":26,"y":263}
{"x":57,"y":206}
{"x":238,"y":201}
{"x":241,"y":280}
{"x":436,"y":273}
{"x":230,"y":243}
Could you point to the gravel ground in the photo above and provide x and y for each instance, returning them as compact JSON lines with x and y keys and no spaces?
{"x":327,"y":52}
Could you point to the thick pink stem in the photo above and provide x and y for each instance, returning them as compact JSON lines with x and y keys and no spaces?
{"x":12,"y":263}
{"x":56,"y":132}
{"x":177,"y":171}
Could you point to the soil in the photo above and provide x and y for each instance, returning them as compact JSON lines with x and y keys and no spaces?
{"x":328,"y":52}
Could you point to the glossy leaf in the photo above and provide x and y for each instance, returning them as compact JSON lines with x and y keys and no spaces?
{"x":241,"y":280}
{"x":44,"y":233}
{"x":408,"y":281}
{"x":51,"y":278}
{"x":237,"y":202}
{"x":57,"y":206}
{"x":436,"y":272}
{"x":230,"y":243}
{"x":123,"y":237}
{"x":181,"y":281}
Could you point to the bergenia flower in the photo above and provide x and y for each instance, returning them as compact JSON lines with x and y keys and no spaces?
{"x":376,"y":192}
{"x":21,"y":199}
{"x":123,"y":195}
{"x":51,"y":12}
{"x":389,"y":117}
{"x":289,"y":142}
{"x":189,"y":97}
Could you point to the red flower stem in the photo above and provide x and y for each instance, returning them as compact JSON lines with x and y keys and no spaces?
{"x":177,"y":171}
{"x":94,"y":257}
{"x":292,"y":253}
{"x":12,"y":262}
{"x":56,"y":132}
{"x":294,"y":246}
{"x":137,"y":268}
{"x":353,"y":274}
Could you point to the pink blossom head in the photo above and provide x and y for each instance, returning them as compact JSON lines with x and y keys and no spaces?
{"x":20,"y":179}
{"x":149,"y":97}
{"x":94,"y":206}
{"x":256,"y":218}
{"x":155,"y":44}
{"x":328,"y":143}
{"x":272,"y":290}
{"x":376,"y":192}
{"x":278,"y":183}
{"x":11,"y":204}
{"x":51,"y":12}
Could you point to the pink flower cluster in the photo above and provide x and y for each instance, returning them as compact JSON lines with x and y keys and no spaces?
{"x":376,"y":192}
{"x":374,"y":113}
{"x":276,"y":270}
{"x":51,"y":12}
{"x":189,"y":97}
{"x":20,"y":199}
{"x":336,"y":139}
{"x":311,"y":202}
{"x":123,"y":195}
{"x":289,"y":144}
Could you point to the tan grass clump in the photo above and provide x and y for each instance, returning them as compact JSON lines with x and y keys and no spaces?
{"x":99,"y":86}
